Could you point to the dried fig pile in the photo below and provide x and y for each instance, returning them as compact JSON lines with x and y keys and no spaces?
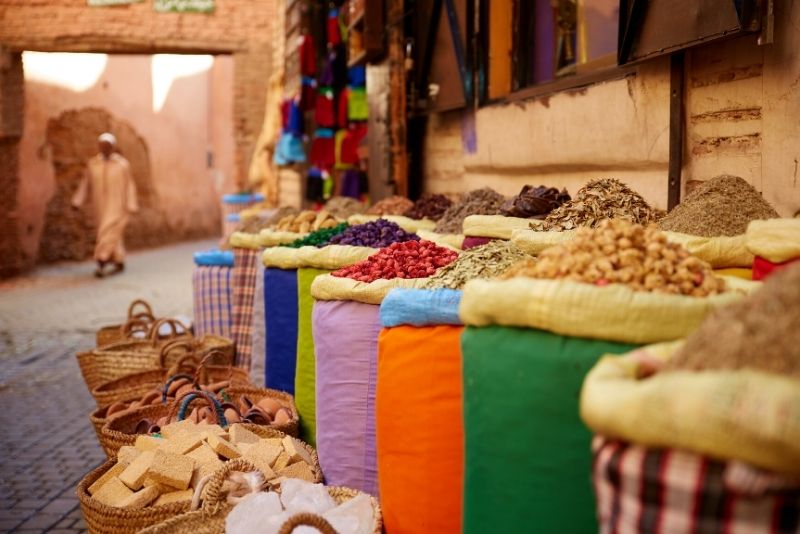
{"x":307,"y":221}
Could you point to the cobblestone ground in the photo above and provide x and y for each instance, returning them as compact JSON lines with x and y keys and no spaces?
{"x":47,"y":444}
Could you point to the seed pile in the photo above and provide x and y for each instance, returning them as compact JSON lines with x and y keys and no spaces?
{"x":535,"y":202}
{"x":486,"y":261}
{"x":723,"y":206}
{"x":599,"y":200}
{"x":375,"y":234}
{"x":429,"y":207}
{"x":759,"y":332}
{"x":306,"y":221}
{"x":619,"y":252}
{"x":412,"y":259}
{"x":320,"y":238}
{"x":344,"y":207}
{"x":484,"y":201}
{"x":394,"y":205}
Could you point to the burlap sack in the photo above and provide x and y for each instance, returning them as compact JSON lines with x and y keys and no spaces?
{"x":776,"y":240}
{"x":451,"y":241}
{"x":407,"y":224}
{"x":273,"y":238}
{"x":496,"y":226}
{"x":331,"y":257}
{"x":329,"y":287}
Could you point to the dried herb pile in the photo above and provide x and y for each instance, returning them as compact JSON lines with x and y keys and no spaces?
{"x":485,"y":261}
{"x":429,"y":207}
{"x":723,"y":206}
{"x":606,"y":198}
{"x":484,"y":201}
{"x":759,"y":332}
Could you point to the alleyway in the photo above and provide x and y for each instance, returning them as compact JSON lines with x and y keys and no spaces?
{"x":47,"y":442}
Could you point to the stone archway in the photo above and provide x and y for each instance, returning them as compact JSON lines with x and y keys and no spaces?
{"x":68,"y":234}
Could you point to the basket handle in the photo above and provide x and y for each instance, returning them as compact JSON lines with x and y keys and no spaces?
{"x":169,"y":382}
{"x":214,"y":496}
{"x":307,"y":519}
{"x":135,"y":324}
{"x":201,"y":374}
{"x":174,"y":324}
{"x":182,"y":405}
{"x":188,"y":360}
{"x":148,"y":310}
{"x":172,"y":345}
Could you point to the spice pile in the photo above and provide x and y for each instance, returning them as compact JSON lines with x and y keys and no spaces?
{"x":620,"y":252}
{"x":394,"y":205}
{"x":429,"y":207}
{"x":723,"y":206}
{"x":759,"y":332}
{"x":320,"y":238}
{"x":307,"y":221}
{"x":412,"y":259}
{"x":485,"y":261}
{"x":164,"y":469}
{"x":344,"y":207}
{"x":374,"y":234}
{"x":484,"y":201}
{"x":535,"y":202}
{"x":597,"y":201}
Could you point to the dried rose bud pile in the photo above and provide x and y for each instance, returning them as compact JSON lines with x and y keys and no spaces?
{"x":410,"y":259}
{"x":619,"y":252}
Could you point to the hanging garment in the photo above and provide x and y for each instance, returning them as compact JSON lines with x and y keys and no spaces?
{"x":308,"y":93}
{"x":357,"y":107}
{"x":334,"y":36}
{"x":323,"y":151}
{"x":324,"y":114}
{"x":308,"y":56}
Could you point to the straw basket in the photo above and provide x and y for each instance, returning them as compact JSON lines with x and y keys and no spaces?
{"x":210,"y":519}
{"x":113,"y":333}
{"x":121,"y":429}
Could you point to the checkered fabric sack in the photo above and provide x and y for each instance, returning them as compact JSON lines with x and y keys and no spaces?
{"x":671,"y":491}
{"x":245,"y":270}
{"x":211,"y":286}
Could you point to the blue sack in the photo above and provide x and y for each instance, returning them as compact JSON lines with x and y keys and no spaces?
{"x":421,"y":307}
{"x":222,"y":258}
{"x":280,"y":315}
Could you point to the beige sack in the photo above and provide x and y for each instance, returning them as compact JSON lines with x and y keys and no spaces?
{"x":244,"y":240}
{"x":742,"y":415}
{"x":496,"y":226}
{"x":776,"y":240}
{"x":273,"y":238}
{"x":406,"y":223}
{"x":327,"y":287}
{"x":533,"y":242}
{"x":614,"y":312}
{"x":451,"y":241}
{"x":331,"y":257}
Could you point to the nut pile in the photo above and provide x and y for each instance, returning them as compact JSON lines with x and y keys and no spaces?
{"x":429,"y":206}
{"x":522,"y":268}
{"x":485,"y":261}
{"x":319,"y":238}
{"x":393,"y":205}
{"x":374,"y":234}
{"x":411,"y":259}
{"x":344,"y":207}
{"x":253,"y":224}
{"x":758,"y":332}
{"x":484,"y":201}
{"x":534,"y":202}
{"x":597,"y":201}
{"x":167,"y":469}
{"x":619,"y":252}
{"x":307,"y":221}
{"x":723,"y":206}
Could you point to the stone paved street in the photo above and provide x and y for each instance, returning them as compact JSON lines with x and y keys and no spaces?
{"x":47,"y":442}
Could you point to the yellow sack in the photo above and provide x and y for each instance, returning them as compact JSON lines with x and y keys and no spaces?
{"x":451,"y":241}
{"x":327,"y":287}
{"x":406,"y":223}
{"x":496,"y":226}
{"x":614,"y":312}
{"x":742,"y":415}
{"x":273,"y":238}
{"x":719,"y":252}
{"x":533,"y":242}
{"x":776,"y":240}
{"x":243,"y":240}
{"x":331,"y":257}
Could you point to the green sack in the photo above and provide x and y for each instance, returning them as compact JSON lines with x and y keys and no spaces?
{"x":305,"y":375}
{"x":527,"y":454}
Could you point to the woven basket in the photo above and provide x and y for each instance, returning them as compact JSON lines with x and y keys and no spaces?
{"x":125,"y":357}
{"x":113,"y":333}
{"x":210,"y":519}
{"x":103,"y":519}
{"x":138,"y":384}
{"x":120,"y":430}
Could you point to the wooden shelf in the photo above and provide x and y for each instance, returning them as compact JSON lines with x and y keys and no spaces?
{"x":356,"y":22}
{"x":357,"y":60}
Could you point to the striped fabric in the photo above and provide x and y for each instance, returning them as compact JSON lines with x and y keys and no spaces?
{"x":671,"y":491}
{"x":245,"y":269}
{"x":212,"y":300}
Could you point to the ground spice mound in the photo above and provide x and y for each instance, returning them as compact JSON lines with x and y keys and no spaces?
{"x":485,"y":261}
{"x":759,"y":332}
{"x":344,"y":207}
{"x":484,"y":201}
{"x":619,"y":252}
{"x":724,"y":205}
{"x":429,"y":207}
{"x":606,"y":198}
{"x":393,"y":205}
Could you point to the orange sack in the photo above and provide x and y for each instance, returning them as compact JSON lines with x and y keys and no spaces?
{"x":420,"y":433}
